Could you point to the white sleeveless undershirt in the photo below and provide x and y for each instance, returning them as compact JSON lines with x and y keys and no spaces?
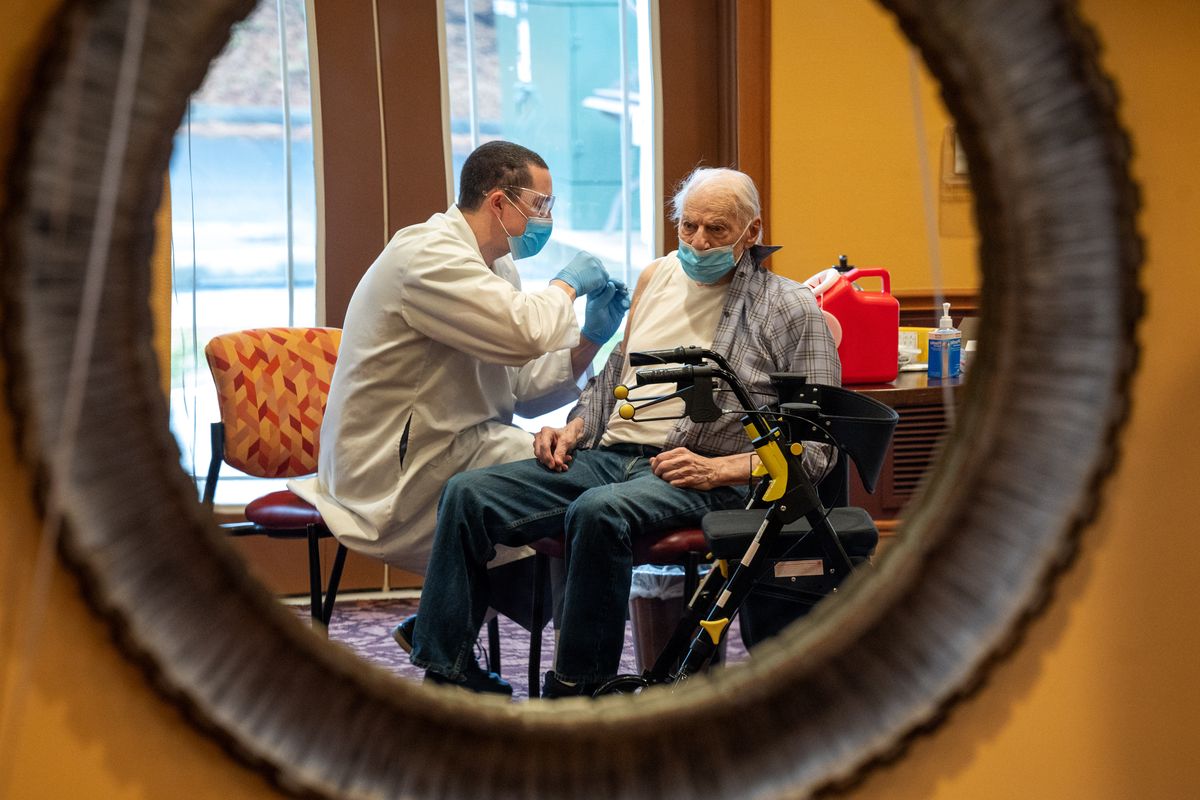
{"x":673,"y":311}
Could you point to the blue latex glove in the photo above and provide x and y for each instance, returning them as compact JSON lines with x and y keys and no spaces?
{"x":585,"y":274}
{"x":605,"y":310}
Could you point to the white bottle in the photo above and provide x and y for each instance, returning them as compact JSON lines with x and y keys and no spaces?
{"x":945,"y":348}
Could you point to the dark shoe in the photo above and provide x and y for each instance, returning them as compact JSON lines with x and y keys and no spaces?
{"x":403,"y":633}
{"x":475,"y":679}
{"x":554,"y":688}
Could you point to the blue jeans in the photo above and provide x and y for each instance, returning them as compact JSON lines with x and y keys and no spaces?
{"x":606,"y":499}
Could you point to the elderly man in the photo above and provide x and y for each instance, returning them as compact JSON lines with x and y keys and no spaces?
{"x":440,"y":347}
{"x":602,"y":480}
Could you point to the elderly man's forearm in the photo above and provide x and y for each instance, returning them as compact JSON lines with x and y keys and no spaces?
{"x":582,"y":355}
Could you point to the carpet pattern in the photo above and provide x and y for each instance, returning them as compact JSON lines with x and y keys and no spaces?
{"x":365,"y":626}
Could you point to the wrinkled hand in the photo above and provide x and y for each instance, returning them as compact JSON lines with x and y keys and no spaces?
{"x":684,"y":469}
{"x":605,"y":310}
{"x":553,"y":446}
{"x":584,"y":273}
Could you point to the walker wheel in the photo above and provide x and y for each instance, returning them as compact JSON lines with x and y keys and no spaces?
{"x":622,"y":684}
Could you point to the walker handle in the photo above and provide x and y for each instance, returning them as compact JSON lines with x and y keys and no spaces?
{"x":673,"y":374}
{"x":677,"y":355}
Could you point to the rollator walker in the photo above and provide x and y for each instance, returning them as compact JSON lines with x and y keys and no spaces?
{"x":788,"y":543}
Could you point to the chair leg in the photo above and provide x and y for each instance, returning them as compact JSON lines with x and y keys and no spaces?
{"x":494,"y":645}
{"x":314,"y":574}
{"x":217,"y":442}
{"x":541,"y":566}
{"x":335,"y":577}
{"x":691,"y":575}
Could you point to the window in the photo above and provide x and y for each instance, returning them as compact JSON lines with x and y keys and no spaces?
{"x":572,"y":81}
{"x":243,"y":215}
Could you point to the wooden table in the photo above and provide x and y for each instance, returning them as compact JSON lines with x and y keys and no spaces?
{"x":921,"y":402}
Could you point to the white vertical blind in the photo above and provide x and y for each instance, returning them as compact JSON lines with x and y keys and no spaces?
{"x":243,"y":215}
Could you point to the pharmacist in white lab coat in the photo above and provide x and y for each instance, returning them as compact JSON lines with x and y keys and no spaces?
{"x":440,"y":346}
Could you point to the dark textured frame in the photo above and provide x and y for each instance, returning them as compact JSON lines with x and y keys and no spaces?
{"x":996,"y":521}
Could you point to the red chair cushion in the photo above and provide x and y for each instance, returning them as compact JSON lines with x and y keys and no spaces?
{"x":551,"y":546}
{"x":283,"y":511}
{"x":670,"y":548}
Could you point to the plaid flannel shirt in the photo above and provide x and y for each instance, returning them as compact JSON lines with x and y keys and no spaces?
{"x":768,"y":324}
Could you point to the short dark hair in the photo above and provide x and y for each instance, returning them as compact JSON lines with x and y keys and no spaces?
{"x":494,"y":165}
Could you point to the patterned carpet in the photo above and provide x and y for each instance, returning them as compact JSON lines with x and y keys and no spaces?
{"x":365,"y":626}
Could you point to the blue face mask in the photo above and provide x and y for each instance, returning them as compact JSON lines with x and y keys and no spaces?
{"x":531,"y":242}
{"x":708,"y":266}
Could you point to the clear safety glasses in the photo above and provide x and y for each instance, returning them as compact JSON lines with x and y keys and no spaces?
{"x":540,"y":203}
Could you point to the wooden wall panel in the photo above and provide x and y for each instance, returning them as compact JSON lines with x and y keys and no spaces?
{"x":753,"y":91}
{"x":412,"y":100}
{"x":696,"y":53}
{"x":350,"y":149}
{"x":356,"y":227}
{"x":715,"y":92}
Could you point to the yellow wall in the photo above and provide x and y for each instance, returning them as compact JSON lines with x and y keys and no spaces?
{"x":844,"y":163}
{"x":90,"y":726}
{"x":1100,"y":702}
{"x":160,"y":287}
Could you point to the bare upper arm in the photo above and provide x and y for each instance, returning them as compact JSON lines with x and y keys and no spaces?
{"x":643,"y":281}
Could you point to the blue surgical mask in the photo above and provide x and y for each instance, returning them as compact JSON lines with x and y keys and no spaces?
{"x":708,"y":266}
{"x":531,"y":242}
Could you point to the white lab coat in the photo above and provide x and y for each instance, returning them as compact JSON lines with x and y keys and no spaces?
{"x":437,"y":352}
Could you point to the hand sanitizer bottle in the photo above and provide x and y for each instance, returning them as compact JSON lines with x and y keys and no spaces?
{"x":945,"y":348}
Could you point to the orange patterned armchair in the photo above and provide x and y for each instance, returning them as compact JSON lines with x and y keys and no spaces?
{"x":272,"y":384}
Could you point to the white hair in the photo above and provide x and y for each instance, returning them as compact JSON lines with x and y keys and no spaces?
{"x":739,"y":185}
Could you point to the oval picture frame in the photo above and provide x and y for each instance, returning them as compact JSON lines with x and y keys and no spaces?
{"x":992,"y":526}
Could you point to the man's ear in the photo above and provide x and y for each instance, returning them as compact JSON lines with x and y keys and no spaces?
{"x":755,"y":231}
{"x":493,"y":199}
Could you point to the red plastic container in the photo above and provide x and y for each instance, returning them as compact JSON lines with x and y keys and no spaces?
{"x":870,"y":323}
